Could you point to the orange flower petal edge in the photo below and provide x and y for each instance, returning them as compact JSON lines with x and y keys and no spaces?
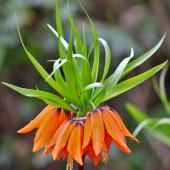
{"x":74,"y":138}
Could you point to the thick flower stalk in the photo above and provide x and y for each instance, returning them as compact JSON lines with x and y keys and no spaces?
{"x":74,"y":125}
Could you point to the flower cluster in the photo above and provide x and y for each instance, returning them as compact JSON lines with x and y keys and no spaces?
{"x":67,"y":136}
{"x":81,"y":127}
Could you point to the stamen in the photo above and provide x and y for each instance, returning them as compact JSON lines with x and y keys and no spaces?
{"x":105,"y":155}
{"x":69,"y":163}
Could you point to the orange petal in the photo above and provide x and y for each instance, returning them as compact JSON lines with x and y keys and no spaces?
{"x":65,"y":153}
{"x":75,"y":143}
{"x":113,"y":130}
{"x":123,"y":128}
{"x":63,"y":116}
{"x":92,"y":155}
{"x":124,"y":149}
{"x":47,"y":130}
{"x":35,"y":123}
{"x":108,"y":140}
{"x":87,"y":132}
{"x":61,"y":138}
{"x":48,"y":150}
{"x":98,"y":130}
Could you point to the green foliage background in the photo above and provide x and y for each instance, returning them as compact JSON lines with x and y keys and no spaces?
{"x":124,"y":24}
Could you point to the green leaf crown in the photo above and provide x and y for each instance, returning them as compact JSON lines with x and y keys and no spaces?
{"x":75,"y":79}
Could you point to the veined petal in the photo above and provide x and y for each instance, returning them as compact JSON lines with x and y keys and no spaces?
{"x":113,"y":130}
{"x":74,"y":146}
{"x":124,"y":129}
{"x":65,"y":153}
{"x":108,"y":140}
{"x":122,"y":126}
{"x":35,"y":123}
{"x":98,"y":129}
{"x":87,"y":132}
{"x":47,"y":130}
{"x":61,"y":138}
{"x":48,"y":150}
{"x":123,"y":148}
{"x":63,"y":116}
{"x":90,"y":152}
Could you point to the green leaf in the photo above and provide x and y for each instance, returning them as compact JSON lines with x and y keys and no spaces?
{"x":62,"y":51}
{"x":86,"y":74}
{"x":95,"y":61}
{"x":80,"y":56}
{"x":78,"y":42}
{"x":57,"y":65}
{"x":70,"y":73}
{"x":140,"y":60}
{"x":40,"y":69}
{"x":46,"y":96}
{"x":59,"y":78}
{"x":161,"y":133}
{"x":115,"y":77}
{"x":93,"y":85}
{"x":107,"y":58}
{"x":157,"y":127}
{"x":84,"y":42}
{"x":128,"y":84}
{"x":62,"y":40}
{"x":136,"y":113}
{"x":58,"y":19}
{"x":162,"y":121}
{"x":160,"y":89}
{"x":162,"y":82}
{"x":95,"y":67}
{"x":146,"y":123}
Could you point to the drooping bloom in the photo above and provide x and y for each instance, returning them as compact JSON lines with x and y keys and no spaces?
{"x":47,"y":122}
{"x":79,"y":127}
{"x":67,"y":136}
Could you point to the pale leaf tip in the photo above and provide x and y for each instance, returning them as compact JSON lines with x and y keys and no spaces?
{"x":131,"y":52}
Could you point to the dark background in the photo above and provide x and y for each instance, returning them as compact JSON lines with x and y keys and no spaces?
{"x":124,"y":24}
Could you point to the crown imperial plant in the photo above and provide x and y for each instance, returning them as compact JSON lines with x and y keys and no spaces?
{"x":74,"y":125}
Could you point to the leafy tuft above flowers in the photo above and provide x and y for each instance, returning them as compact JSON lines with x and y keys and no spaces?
{"x":76,"y":80}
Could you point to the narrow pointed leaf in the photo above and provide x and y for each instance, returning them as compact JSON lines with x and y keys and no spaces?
{"x":115,"y":77}
{"x":46,"y":96}
{"x":136,"y":113}
{"x":80,"y":56}
{"x":162,"y":121}
{"x":160,"y":90}
{"x":158,"y":128}
{"x":107,"y":58}
{"x":62,"y":40}
{"x":162,"y":82}
{"x":57,"y":66}
{"x":40,"y":69}
{"x":93,"y":85}
{"x":140,"y":60}
{"x":96,"y":47}
{"x":78,"y":42}
{"x":129,"y":84}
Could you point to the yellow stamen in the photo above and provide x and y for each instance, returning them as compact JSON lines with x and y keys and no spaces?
{"x":105,"y":155}
{"x":69,"y":163}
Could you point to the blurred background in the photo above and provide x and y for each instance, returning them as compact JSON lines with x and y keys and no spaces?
{"x":124,"y":24}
